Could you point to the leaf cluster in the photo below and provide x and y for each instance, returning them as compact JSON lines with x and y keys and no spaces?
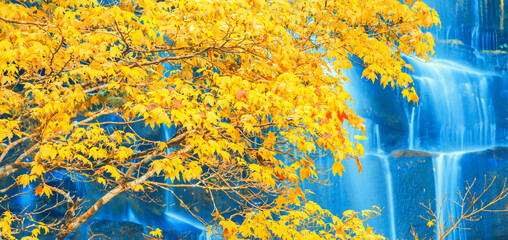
{"x":250,"y":90}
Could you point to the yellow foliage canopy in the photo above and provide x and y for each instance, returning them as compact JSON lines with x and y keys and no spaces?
{"x":246,"y":85}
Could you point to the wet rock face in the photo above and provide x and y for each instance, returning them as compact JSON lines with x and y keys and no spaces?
{"x":478,"y":166}
{"x":463,"y":98}
{"x":478,"y":23}
{"x":413,"y":183}
{"x":381,"y":106}
{"x":414,"y":178}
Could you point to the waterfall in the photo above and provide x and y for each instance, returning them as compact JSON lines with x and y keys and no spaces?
{"x":448,"y":182}
{"x":411,"y":129}
{"x":458,"y":111}
{"x":389,"y":187}
{"x":180,"y":220}
{"x":458,"y":106}
{"x":475,"y":35}
{"x":379,"y":149}
{"x":167,"y":133}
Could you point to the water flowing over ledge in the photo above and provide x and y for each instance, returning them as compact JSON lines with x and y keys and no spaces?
{"x":414,"y":153}
{"x":457,"y":132}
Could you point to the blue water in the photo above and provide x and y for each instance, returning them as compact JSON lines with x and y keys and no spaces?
{"x":462,"y":112}
{"x":461,"y":118}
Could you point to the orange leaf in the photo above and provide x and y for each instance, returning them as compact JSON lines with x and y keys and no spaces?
{"x":360,"y":169}
{"x":284,"y":69}
{"x":328,"y":114}
{"x":176,"y":103}
{"x":281,"y":176}
{"x":38,"y":190}
{"x":317,"y":91}
{"x":160,"y":69}
{"x":342,"y":116}
{"x":326,"y":136}
{"x":241,"y":94}
{"x":153,"y":106}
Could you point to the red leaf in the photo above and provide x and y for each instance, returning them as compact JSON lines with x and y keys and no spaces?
{"x":360,"y":169}
{"x":281,"y":176}
{"x":260,"y":159}
{"x":328,"y":114}
{"x":241,"y":94}
{"x":326,"y":136}
{"x":153,"y":106}
{"x":284,"y":69}
{"x":323,"y":121}
{"x":176,"y":103}
{"x":38,"y":190}
{"x":342,"y":116}
{"x":317,"y":91}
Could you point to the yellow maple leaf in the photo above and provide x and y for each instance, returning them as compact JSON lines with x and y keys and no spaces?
{"x":156,"y":233}
{"x":431,"y":223}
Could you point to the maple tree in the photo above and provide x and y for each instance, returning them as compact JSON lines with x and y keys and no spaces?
{"x":253,"y":90}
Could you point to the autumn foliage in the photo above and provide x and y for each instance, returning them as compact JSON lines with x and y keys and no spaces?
{"x":252,"y":89}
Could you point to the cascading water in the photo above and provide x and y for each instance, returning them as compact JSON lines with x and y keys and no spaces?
{"x":460,"y":116}
{"x":458,"y":106}
{"x":167,"y":133}
{"x":475,"y":36}
{"x":389,"y":185}
{"x":411,"y":129}
{"x":462,"y":108}
{"x":171,"y":212}
{"x":448,"y":181}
